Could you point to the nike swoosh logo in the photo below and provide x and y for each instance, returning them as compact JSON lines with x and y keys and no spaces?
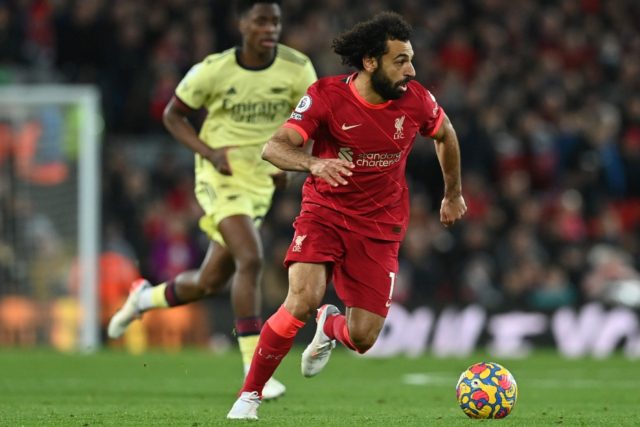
{"x":387,"y":304}
{"x":345,"y":127}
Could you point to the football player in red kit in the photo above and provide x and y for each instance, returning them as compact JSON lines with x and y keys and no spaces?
{"x":355,"y":202}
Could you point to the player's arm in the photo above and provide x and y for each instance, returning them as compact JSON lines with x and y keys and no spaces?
{"x":286,"y":151}
{"x":175,"y":119}
{"x":283,"y":178}
{"x":453,"y":206}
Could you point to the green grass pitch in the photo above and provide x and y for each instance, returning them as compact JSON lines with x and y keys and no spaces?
{"x":195,"y":388}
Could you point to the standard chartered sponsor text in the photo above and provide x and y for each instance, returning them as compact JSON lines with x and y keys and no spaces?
{"x":377,"y":159}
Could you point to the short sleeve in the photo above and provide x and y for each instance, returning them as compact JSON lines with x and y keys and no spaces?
{"x":309,"y":113}
{"x":195,"y":88}
{"x":433,"y":115}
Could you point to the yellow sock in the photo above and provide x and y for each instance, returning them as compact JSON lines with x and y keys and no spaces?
{"x":153,"y":298}
{"x":157,"y":296}
{"x":247,"y":345}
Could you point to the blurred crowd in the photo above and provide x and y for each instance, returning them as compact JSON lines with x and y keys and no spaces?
{"x":544,"y":95}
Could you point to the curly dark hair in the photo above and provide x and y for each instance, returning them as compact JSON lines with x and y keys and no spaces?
{"x":243,"y":6}
{"x":369,"y":38}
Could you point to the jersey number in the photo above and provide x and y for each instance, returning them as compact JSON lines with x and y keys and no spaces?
{"x":392,"y":276}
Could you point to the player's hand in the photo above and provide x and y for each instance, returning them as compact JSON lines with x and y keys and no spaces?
{"x":452,"y":209}
{"x":280,"y":180}
{"x":218,"y":158}
{"x":332,"y":170}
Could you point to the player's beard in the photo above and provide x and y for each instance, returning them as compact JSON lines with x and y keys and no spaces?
{"x":385,"y":87}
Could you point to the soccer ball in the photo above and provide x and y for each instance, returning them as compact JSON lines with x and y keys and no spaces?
{"x":487,"y":390}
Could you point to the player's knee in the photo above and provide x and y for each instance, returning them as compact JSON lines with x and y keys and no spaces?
{"x":300,"y":308}
{"x":362,"y":346}
{"x":249,"y":262}
{"x":300,"y":304}
{"x":363,"y":340}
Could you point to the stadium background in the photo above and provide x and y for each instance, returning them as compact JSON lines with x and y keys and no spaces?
{"x":545,"y":96}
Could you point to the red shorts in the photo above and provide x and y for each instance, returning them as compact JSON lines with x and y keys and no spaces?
{"x":364,"y":269}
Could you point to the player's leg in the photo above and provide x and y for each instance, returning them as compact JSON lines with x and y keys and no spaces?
{"x":307,"y":285}
{"x":361,"y":329}
{"x":242,"y":200}
{"x":186,"y":287}
{"x":240,"y":233}
{"x":245,"y":246}
{"x":357,"y":331}
{"x":364,"y":281}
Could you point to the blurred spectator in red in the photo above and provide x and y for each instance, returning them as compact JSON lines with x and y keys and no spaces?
{"x":457,"y":55}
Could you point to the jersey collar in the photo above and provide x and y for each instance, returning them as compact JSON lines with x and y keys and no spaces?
{"x":264,"y":67}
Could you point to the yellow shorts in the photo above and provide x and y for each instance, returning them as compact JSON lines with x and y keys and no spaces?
{"x":248,"y":191}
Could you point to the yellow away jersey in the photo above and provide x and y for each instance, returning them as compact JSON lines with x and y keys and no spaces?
{"x":245,"y":106}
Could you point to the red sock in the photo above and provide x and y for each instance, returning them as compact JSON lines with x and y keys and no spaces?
{"x":248,"y":326}
{"x":170,"y":294}
{"x":336,"y":328}
{"x":275,"y":342}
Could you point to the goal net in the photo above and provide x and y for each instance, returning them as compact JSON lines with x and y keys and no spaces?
{"x":49,"y":216}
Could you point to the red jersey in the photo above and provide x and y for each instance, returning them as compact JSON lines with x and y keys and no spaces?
{"x":377,"y":138}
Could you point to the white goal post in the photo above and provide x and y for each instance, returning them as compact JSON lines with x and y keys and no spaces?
{"x":53,"y":105}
